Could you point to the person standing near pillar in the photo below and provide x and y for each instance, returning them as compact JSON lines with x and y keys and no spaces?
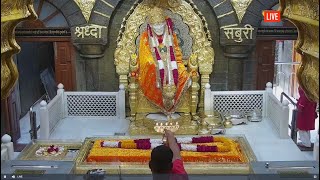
{"x":305,"y":118}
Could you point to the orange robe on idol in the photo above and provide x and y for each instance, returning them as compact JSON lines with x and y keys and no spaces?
{"x":147,"y":74}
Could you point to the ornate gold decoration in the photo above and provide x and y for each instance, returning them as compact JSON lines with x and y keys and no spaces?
{"x":308,"y":76}
{"x":240,"y":7}
{"x":204,"y":21}
{"x":204,"y":129}
{"x":13,"y":10}
{"x":143,"y":125}
{"x":213,"y":119}
{"x":82,"y":166}
{"x":157,"y":15}
{"x":86,"y":7}
{"x":169,"y":92}
{"x":195,"y":87}
{"x":163,"y":3}
{"x":301,"y":11}
{"x":12,"y":13}
{"x":126,"y":63}
{"x":305,"y":15}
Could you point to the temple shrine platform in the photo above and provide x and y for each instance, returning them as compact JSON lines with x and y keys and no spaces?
{"x":263,"y":137}
{"x":78,"y":121}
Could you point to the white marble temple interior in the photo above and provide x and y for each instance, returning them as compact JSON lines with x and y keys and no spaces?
{"x":75,"y":128}
{"x":259,"y":134}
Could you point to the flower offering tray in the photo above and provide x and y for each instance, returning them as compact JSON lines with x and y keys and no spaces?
{"x":85,"y":160}
{"x":51,"y":150}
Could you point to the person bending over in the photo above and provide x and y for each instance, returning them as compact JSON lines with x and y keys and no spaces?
{"x":166,"y":159}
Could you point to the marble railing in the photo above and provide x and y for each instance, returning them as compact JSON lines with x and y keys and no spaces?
{"x":51,"y":114}
{"x":86,"y":105}
{"x":7,"y":152}
{"x":247,"y":101}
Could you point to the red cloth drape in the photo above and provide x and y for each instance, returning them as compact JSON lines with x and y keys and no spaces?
{"x":306,"y":112}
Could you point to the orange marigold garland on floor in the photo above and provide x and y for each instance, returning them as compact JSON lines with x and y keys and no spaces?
{"x":229,"y":151}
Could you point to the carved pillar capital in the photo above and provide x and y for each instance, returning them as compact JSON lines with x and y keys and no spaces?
{"x":12,"y":13}
{"x":305,"y":15}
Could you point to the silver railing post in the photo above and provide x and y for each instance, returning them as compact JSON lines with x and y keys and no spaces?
{"x":33,"y":124}
{"x":293,"y":125}
{"x":294,"y":130}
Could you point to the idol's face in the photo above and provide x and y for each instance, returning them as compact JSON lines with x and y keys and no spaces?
{"x":158,"y":28}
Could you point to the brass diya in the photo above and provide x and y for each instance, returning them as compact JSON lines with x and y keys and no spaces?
{"x":204,"y":129}
{"x":227,"y":122}
{"x":170,"y":125}
{"x":214,"y":120}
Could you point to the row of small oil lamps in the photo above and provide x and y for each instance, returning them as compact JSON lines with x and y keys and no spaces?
{"x":166,"y":124}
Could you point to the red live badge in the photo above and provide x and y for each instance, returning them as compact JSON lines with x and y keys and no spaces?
{"x":271,"y":16}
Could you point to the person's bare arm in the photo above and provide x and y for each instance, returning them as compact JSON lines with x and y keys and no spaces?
{"x":171,"y":140}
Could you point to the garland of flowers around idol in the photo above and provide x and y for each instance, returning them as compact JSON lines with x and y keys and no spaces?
{"x":160,"y":48}
{"x":185,"y":144}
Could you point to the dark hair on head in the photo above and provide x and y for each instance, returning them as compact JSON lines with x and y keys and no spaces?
{"x":161,"y":160}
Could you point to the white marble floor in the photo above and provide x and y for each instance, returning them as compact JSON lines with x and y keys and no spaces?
{"x":75,"y":128}
{"x":266,"y":144}
{"x":80,"y":128}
